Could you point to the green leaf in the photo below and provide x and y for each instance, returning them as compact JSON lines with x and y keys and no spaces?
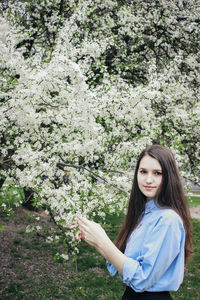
{"x":2,"y":227}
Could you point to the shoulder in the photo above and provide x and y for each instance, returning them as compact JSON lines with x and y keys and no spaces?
{"x":169,"y":217}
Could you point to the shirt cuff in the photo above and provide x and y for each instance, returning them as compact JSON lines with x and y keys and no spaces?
{"x":129,"y":268}
{"x":111,"y":268}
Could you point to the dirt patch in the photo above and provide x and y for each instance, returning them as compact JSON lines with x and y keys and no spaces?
{"x":27,"y":258}
{"x":195,"y":212}
{"x":22,"y":218}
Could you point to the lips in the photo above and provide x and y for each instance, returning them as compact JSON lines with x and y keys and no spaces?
{"x":149,"y":188}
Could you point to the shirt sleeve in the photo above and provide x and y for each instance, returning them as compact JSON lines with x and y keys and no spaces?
{"x":159,"y":250}
{"x":111,"y":268}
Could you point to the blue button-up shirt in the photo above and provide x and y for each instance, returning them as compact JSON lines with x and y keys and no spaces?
{"x":155,"y":252}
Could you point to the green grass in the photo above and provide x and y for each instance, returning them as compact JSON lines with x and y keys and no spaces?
{"x":197,"y":192}
{"x":190,"y":289}
{"x":87,"y":278}
{"x":194,"y":201}
{"x":33,"y":272}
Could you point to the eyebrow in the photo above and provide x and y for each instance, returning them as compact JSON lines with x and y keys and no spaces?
{"x":153,"y":169}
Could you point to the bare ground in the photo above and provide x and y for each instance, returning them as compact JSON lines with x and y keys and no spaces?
{"x":23,"y":257}
{"x":195,"y":212}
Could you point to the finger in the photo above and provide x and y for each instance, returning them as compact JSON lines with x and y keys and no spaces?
{"x":82,"y":225}
{"x":90,"y":243}
{"x":82,"y":219}
{"x":73,"y":227}
{"x":83,"y":228}
{"x":79,"y":236}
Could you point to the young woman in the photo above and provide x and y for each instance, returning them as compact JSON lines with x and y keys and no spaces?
{"x":155,"y":240}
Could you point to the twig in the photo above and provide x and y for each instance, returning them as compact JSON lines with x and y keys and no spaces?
{"x":94,"y":174}
{"x":61,"y":228}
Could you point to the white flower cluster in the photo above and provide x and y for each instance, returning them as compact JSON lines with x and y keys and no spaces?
{"x":74,"y":143}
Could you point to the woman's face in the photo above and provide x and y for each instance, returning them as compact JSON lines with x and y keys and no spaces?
{"x":149,"y":177}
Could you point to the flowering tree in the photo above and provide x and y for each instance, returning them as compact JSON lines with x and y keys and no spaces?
{"x":125,"y":35}
{"x":77,"y":110}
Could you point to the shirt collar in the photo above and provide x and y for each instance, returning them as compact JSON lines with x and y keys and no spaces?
{"x":149,"y":206}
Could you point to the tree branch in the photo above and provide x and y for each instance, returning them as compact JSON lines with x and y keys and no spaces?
{"x":94,"y":174}
{"x":60,"y":227}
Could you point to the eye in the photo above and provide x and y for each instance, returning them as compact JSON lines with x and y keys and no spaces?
{"x":143,"y":171}
{"x":158,"y":173}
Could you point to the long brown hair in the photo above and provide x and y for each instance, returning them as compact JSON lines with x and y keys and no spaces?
{"x":171,"y":196}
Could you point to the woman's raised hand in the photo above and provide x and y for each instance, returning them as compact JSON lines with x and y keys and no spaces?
{"x":90,"y":231}
{"x":93,"y":234}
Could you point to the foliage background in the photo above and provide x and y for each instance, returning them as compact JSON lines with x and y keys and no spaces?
{"x":85,"y":86}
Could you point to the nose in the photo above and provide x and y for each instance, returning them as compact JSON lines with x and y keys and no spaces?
{"x":149,"y":178}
